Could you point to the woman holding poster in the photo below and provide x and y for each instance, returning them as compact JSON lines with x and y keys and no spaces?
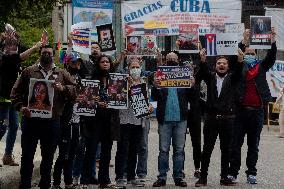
{"x":102,"y":128}
{"x":131,"y":127}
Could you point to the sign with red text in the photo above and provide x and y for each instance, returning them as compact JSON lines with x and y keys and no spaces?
{"x":260,"y":37}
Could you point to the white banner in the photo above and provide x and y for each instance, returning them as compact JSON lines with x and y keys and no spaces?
{"x":276,"y":74}
{"x":277,"y":22}
{"x":163,"y":17}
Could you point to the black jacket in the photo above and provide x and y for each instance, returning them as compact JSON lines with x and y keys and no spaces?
{"x":160,"y":95}
{"x":260,"y":80}
{"x":225,"y":103}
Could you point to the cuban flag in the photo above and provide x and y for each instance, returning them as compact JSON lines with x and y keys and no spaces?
{"x":134,"y":28}
{"x":211,"y":48}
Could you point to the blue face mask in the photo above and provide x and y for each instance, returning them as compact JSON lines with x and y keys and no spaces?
{"x":250,"y":61}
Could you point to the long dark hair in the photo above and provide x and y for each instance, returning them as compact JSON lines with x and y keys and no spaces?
{"x":46,"y":100}
{"x":98,"y":72}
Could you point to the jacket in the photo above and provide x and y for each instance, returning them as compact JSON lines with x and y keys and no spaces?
{"x":160,"y":95}
{"x":260,"y":79}
{"x":225,"y":103}
{"x":20,"y":91}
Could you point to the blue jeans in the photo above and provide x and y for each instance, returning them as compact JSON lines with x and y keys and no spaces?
{"x":48,"y":133}
{"x":9,"y":118}
{"x":141,"y":170}
{"x":175,"y":131}
{"x":79,"y":158}
{"x":248,"y":121}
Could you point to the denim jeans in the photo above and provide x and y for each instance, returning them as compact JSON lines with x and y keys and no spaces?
{"x":248,"y":121}
{"x":175,"y":131}
{"x":47,"y":132}
{"x":141,"y":170}
{"x":9,"y":118}
{"x":79,"y":159}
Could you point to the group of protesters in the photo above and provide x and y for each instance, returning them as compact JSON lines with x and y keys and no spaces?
{"x":237,"y":92}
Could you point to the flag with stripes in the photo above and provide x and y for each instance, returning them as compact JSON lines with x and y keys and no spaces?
{"x":81,"y":37}
{"x":134,"y":28}
{"x":211,"y":46}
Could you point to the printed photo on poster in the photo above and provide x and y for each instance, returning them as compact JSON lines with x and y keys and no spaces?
{"x":139,"y":100}
{"x":187,"y":40}
{"x":106,"y":38}
{"x":117,"y":91}
{"x":89,"y":90}
{"x":40,"y":99}
{"x":141,"y":45}
{"x":174,"y":77}
{"x":260,"y":37}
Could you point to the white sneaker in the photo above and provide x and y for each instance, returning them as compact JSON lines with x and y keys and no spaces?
{"x":121,"y":182}
{"x":137,"y":183}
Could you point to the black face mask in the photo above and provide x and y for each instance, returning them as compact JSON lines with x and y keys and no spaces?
{"x":73,"y":71}
{"x":172,"y":63}
{"x":46,"y":59}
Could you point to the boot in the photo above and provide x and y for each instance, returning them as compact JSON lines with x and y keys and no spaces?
{"x":9,"y":160}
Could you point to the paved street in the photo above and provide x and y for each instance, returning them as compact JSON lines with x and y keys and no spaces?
{"x":270,"y":164}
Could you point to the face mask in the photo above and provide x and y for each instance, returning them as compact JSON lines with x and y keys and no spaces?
{"x":172,"y":63}
{"x":250,"y":61}
{"x":135,"y":73}
{"x":46,"y":59}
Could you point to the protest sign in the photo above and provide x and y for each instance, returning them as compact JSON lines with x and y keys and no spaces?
{"x":106,"y":38}
{"x":163,"y":17}
{"x":141,"y":45}
{"x":139,"y":100}
{"x":235,"y":28}
{"x":276,"y":73}
{"x":81,"y":37}
{"x":187,"y":40}
{"x":117,"y":91}
{"x":86,"y":104}
{"x":40,"y":99}
{"x":96,"y":12}
{"x":221,"y":44}
{"x":260,"y":37}
{"x":174,"y":77}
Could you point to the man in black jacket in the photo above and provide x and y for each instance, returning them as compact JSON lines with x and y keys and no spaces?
{"x":220,"y":112}
{"x":253,"y":95}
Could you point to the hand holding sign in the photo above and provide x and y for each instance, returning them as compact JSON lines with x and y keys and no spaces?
{"x":25,"y":111}
{"x":202,"y":55}
{"x":240,"y":56}
{"x":273,"y":35}
{"x":246,"y":36}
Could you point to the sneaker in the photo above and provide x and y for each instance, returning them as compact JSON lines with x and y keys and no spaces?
{"x":159,"y":183}
{"x":197,"y":174}
{"x":137,"y":183}
{"x":201,"y":182}
{"x":142,"y":179}
{"x":101,"y":186}
{"x":227,"y":181}
{"x":180,"y":182}
{"x":121,"y":182}
{"x":76,"y":181}
{"x":233,"y":178}
{"x":251,"y":179}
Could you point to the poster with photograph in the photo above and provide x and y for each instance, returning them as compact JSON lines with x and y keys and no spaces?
{"x":117,"y":91}
{"x":174,"y":77}
{"x":187,"y":40}
{"x":86,"y":105}
{"x":260,"y":37}
{"x":106,"y":38}
{"x":40,"y":99}
{"x":141,"y":45}
{"x":139,"y":100}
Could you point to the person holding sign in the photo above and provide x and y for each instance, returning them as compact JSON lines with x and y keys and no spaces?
{"x":103,"y":128}
{"x":172,"y":108}
{"x":43,"y":129}
{"x":219,"y":112}
{"x":253,"y":95}
{"x":132,"y":121}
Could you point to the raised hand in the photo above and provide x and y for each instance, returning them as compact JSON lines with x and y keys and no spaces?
{"x":202,"y":54}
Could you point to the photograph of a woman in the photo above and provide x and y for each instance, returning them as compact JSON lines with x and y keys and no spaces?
{"x":40,"y":97}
